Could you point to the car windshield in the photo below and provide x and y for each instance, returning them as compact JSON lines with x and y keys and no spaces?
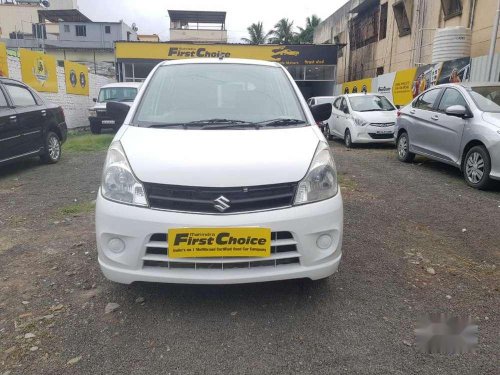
{"x":208,"y":95}
{"x":367,"y":103}
{"x":487,"y":98}
{"x":119,"y":94}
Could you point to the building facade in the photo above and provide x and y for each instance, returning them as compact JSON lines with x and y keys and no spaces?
{"x":383,"y":36}
{"x":197,"y":26}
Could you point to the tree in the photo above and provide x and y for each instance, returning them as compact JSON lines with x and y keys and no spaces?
{"x":256,"y":34}
{"x":283,"y":32}
{"x":306,"y":35}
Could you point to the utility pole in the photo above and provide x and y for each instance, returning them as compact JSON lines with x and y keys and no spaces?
{"x":491,"y":54}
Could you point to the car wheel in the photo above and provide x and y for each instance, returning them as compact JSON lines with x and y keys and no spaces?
{"x":403,"y":146}
{"x":95,"y":128}
{"x":477,"y":167}
{"x":348,"y":139}
{"x":327,"y":133}
{"x":52,"y":148}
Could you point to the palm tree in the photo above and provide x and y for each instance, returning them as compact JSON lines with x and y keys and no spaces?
{"x":256,"y":34}
{"x":307,"y":35}
{"x":283,"y":32}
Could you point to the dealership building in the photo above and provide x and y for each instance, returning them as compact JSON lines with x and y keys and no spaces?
{"x":313,"y":67}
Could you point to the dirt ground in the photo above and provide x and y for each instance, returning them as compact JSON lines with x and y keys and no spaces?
{"x":400,"y":220}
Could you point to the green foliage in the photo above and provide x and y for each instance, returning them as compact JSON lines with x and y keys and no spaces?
{"x":87,"y":142}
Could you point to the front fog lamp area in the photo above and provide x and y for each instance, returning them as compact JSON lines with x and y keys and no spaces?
{"x":320,"y":182}
{"x":118,"y":182}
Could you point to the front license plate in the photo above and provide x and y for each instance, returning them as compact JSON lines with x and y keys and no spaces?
{"x":108,"y":122}
{"x":384,"y":132}
{"x":219,"y":242}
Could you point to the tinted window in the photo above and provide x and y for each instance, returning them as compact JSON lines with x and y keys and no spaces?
{"x":487,"y":98}
{"x":343,"y":106}
{"x":369,"y":103}
{"x":3,"y":101}
{"x":20,"y":96}
{"x":195,"y":92}
{"x":426,"y":101}
{"x":451,"y":97}
{"x":336,"y":103}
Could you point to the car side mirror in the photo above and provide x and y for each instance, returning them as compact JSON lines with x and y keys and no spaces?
{"x":117,"y":111}
{"x":321,"y":112}
{"x":94,"y":100}
{"x":457,"y":111}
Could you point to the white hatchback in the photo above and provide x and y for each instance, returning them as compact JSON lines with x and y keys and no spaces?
{"x":219,"y":176}
{"x":362,"y":118}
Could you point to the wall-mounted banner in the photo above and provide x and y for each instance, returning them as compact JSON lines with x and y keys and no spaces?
{"x":425,"y":78}
{"x":361,"y":85}
{"x":4,"y":67}
{"x":77,"y":78}
{"x":39,"y":70}
{"x":455,"y":71}
{"x":384,"y":85}
{"x":403,"y":83}
{"x":302,"y":54}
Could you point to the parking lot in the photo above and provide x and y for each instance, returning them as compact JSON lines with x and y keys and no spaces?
{"x":417,"y":240}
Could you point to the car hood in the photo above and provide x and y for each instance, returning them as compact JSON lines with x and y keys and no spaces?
{"x":219,"y":158}
{"x":377,"y":117}
{"x":492,"y":118}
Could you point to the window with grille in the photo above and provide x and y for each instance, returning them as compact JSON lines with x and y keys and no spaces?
{"x":107,"y":29}
{"x":81,"y":30}
{"x":382,"y":33}
{"x":451,"y":8}
{"x":401,"y":17}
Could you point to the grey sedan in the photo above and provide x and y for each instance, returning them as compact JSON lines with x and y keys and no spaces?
{"x":457,"y":124}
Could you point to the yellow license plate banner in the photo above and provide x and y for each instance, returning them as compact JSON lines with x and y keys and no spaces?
{"x":219,"y":242}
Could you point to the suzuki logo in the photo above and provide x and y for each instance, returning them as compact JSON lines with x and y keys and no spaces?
{"x":222,"y":203}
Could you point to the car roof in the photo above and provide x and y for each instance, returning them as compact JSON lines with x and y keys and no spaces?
{"x":11,"y":80}
{"x":363,"y":94}
{"x":123,"y":84}
{"x":322,"y":97}
{"x":220,"y":61}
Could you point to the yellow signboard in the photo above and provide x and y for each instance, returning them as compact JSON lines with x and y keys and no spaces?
{"x":218,"y":242}
{"x":4,"y":68}
{"x":361,"y":85}
{"x":39,"y":70}
{"x":77,"y":78}
{"x":402,"y":90}
{"x":305,"y":54}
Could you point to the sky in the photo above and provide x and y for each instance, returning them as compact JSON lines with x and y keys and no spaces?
{"x":151,"y":16}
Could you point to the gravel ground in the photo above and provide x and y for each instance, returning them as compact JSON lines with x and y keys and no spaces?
{"x":399,"y":220}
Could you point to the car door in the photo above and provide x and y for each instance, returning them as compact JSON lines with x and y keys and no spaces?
{"x":344,"y":115}
{"x":31,"y":115}
{"x":449,"y":129}
{"x":422,"y":127}
{"x":10,"y":131}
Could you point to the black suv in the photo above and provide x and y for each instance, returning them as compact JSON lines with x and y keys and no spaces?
{"x":28,"y":125}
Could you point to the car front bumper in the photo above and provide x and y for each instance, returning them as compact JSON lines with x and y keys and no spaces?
{"x":135,"y":226}
{"x":104,"y":122}
{"x":372,"y":134}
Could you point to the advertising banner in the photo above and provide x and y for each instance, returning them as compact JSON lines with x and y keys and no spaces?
{"x":403,"y":83}
{"x":77,"y":78}
{"x":425,"y":77}
{"x":39,"y":70}
{"x":361,"y":85}
{"x":4,"y":68}
{"x":303,"y":54}
{"x":455,"y":71}
{"x":384,"y":85}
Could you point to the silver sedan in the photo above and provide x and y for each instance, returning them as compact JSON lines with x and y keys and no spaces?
{"x":457,"y":124}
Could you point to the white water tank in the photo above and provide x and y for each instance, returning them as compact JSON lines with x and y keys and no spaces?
{"x":451,"y":43}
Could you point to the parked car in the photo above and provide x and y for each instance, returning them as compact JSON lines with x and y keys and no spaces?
{"x":457,"y":124}
{"x":29,"y":126}
{"x":124,"y":92}
{"x":219,"y":176}
{"x":315,"y":100}
{"x":362,"y":118}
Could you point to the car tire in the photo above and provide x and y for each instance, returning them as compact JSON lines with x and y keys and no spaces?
{"x":477,"y":167}
{"x":52,"y":149}
{"x":327,"y":133}
{"x":403,"y":148}
{"x":348,"y":139}
{"x":95,"y":128}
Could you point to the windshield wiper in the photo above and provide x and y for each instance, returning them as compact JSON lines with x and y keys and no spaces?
{"x":279,"y":122}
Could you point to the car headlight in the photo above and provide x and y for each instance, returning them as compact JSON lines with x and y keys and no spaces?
{"x":92,"y":112}
{"x":320,"y":181}
{"x":118,"y":181}
{"x":359,"y":121}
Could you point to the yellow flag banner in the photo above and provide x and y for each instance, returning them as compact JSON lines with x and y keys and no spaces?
{"x":4,"y":68}
{"x":361,"y":85}
{"x":39,"y":70}
{"x":402,"y":91}
{"x":77,"y":78}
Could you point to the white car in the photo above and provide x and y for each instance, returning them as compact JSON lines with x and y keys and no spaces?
{"x":219,"y":176}
{"x":362,"y":118}
{"x":124,"y":92}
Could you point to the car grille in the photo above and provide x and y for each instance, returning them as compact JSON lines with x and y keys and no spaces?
{"x":283,"y":252}
{"x":202,"y":199}
{"x":101,"y":113}
{"x":383,"y":125}
{"x":381,"y":136}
